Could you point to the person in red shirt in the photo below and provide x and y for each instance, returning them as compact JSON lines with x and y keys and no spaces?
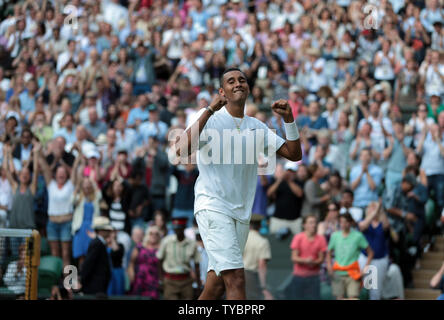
{"x":308,"y":253}
{"x":296,"y":101}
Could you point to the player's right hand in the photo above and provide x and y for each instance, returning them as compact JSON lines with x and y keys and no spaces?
{"x":218,"y":102}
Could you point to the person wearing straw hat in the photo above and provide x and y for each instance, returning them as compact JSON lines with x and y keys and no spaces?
{"x":96,"y":269}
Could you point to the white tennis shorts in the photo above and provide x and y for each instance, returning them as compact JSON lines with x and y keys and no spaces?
{"x":224,"y":239}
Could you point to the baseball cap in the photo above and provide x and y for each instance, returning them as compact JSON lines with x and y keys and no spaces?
{"x":152,"y":107}
{"x":92,"y":154}
{"x":295,"y":88}
{"x":204,"y":95}
{"x":179,"y":222}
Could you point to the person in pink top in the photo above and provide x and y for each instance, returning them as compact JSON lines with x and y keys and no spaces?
{"x":308,"y":253}
{"x":237,"y":13}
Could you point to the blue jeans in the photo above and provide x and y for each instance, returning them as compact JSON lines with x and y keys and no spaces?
{"x":59,"y":231}
{"x":305,"y":288}
{"x":436,"y":182}
{"x":137,"y":222}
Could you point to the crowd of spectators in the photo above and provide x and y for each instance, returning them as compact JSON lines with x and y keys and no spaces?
{"x":89,"y":91}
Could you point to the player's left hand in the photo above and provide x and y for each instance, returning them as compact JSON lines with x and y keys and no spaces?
{"x":282,"y":107}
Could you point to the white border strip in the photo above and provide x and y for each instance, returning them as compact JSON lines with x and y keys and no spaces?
{"x":15,"y":232}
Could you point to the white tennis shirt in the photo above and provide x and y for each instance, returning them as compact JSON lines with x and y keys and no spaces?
{"x":227,"y":163}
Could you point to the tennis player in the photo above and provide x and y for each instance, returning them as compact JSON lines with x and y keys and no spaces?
{"x":224,"y":192}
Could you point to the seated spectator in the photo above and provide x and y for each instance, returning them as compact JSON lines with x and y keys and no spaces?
{"x":308,"y":253}
{"x":16,"y":274}
{"x":346,"y":245}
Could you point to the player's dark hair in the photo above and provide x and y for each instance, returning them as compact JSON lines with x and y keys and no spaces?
{"x":229,"y":70}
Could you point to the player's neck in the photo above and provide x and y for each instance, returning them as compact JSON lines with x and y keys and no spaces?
{"x":236,"y":110}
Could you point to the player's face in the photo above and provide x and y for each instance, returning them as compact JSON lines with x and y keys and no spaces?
{"x":235,"y":86}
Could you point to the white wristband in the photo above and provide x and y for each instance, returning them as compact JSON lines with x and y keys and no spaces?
{"x":291,"y":131}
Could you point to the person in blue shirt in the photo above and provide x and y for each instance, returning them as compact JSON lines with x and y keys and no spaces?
{"x":28,"y":97}
{"x":365,"y":178}
{"x":152,"y":127}
{"x":139,"y":113}
{"x":314,"y":121}
{"x":396,"y":156}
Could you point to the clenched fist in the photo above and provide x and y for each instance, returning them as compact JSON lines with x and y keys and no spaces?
{"x":218,"y":102}
{"x":282,"y":107}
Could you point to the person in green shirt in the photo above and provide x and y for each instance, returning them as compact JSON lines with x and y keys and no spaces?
{"x":346,"y":245}
{"x":435,"y":107}
{"x":42,"y":131}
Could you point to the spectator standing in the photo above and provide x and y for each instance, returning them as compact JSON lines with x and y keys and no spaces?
{"x":95,"y":273}
{"x":175,"y":255}
{"x":375,"y":227}
{"x":315,"y":198}
{"x":308,"y":253}
{"x":144,"y":266}
{"x":346,"y":244}
{"x":256,"y":255}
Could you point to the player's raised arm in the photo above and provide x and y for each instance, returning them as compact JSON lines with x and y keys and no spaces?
{"x":188,"y":141}
{"x":291,"y":149}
